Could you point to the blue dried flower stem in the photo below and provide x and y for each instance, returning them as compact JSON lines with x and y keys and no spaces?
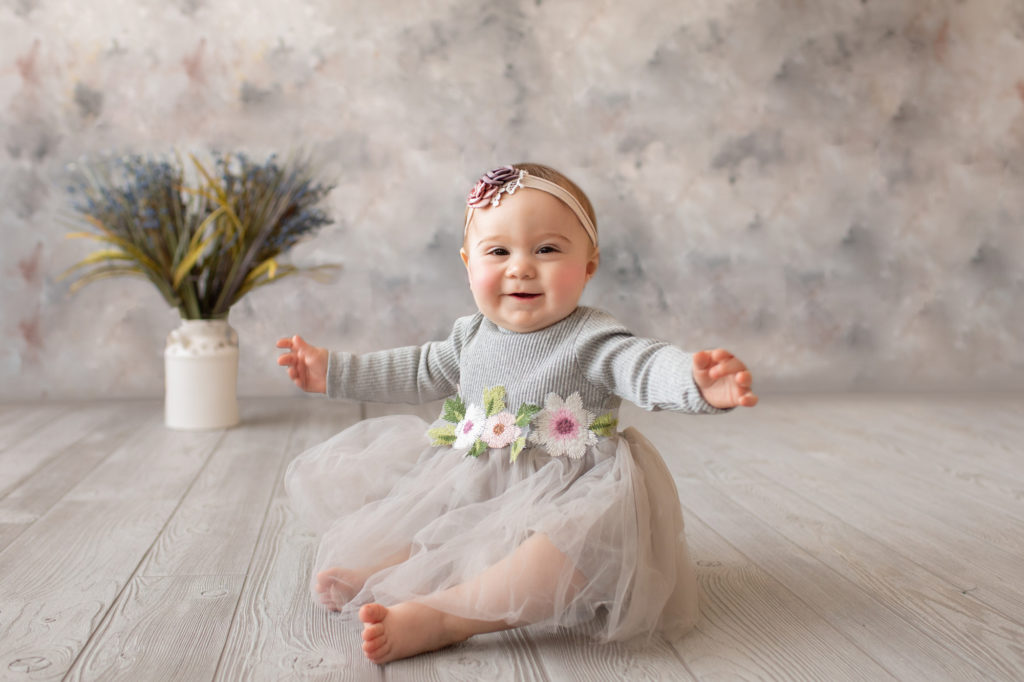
{"x":264,"y":203}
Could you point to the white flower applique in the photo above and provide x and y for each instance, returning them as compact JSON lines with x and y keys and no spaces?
{"x":468,"y":431}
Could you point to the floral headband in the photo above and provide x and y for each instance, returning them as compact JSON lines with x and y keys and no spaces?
{"x":507,"y":179}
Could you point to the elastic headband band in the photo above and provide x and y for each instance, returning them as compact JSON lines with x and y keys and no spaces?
{"x":507,"y":179}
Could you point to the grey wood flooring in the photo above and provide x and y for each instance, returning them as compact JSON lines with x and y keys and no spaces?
{"x":836,"y":537}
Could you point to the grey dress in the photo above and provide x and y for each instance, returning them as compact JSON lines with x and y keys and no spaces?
{"x":526,"y":445}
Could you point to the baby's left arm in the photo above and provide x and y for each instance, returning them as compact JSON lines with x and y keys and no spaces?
{"x":723,"y":379}
{"x":656,"y":375}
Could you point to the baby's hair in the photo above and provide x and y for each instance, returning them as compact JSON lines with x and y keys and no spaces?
{"x":548,"y":173}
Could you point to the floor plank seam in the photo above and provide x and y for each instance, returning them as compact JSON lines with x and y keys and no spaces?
{"x":56,"y":502}
{"x":884,"y":603}
{"x":797,"y":597}
{"x":890,"y":546}
{"x":533,"y":655}
{"x":282,"y":457}
{"x":17,"y":484}
{"x":682,"y":661}
{"x":142,"y":560}
{"x":972,"y":594}
{"x":921,"y":476}
{"x":21,"y":438}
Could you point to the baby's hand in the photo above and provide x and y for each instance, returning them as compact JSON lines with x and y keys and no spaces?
{"x":307,"y":365}
{"x":722,"y":379}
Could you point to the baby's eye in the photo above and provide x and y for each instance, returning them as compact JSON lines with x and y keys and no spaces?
{"x":547,"y":249}
{"x":497,"y":251}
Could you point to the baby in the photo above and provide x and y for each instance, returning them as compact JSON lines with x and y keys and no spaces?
{"x":522,"y":503}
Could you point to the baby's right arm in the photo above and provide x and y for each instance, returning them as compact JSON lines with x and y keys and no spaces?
{"x":307,"y":365}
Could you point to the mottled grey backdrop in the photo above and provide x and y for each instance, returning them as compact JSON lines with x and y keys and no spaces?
{"x":833,"y":189}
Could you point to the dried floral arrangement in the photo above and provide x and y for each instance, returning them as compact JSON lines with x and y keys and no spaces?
{"x":204,"y":234}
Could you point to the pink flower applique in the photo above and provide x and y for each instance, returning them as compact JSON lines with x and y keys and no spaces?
{"x":563,"y":427}
{"x":500,"y":430}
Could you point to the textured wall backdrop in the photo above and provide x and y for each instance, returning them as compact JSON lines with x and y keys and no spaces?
{"x":833,"y":189}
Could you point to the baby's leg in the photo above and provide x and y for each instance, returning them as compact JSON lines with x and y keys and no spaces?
{"x":526,"y":582}
{"x":337,"y":586}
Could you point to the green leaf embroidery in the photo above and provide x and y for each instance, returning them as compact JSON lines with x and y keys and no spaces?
{"x":442,"y":435}
{"x":604,"y":425}
{"x":454,"y":410}
{"x":494,"y":400}
{"x":526,"y":412}
{"x":478,"y":448}
{"x":517,"y":446}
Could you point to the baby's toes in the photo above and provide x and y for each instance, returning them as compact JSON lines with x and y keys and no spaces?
{"x":324,"y":579}
{"x":372,"y":613}
{"x":329,"y":603}
{"x":374,"y":633}
{"x":377,"y":652}
{"x":338,"y":595}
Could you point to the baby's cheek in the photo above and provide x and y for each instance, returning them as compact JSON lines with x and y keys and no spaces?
{"x":484,"y":280}
{"x":571,"y":278}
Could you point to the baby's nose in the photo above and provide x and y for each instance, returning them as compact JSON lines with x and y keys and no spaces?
{"x":520,"y":267}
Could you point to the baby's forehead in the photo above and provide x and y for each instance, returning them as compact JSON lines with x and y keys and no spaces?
{"x":493,"y":227}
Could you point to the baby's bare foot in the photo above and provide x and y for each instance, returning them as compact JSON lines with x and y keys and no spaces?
{"x":337,"y":586}
{"x":405,"y":630}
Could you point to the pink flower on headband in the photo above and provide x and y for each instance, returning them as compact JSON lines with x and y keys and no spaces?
{"x":489,"y":185}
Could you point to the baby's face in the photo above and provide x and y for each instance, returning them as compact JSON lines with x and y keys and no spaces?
{"x":528,"y":260}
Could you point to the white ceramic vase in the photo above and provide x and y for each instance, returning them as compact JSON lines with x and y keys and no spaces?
{"x":201,"y":376}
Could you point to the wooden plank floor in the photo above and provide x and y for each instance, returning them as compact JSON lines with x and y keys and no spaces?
{"x":836,"y":538}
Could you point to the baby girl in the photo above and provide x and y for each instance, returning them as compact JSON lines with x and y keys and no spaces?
{"x":522,"y":503}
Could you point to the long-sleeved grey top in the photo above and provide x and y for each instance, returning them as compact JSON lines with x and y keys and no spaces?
{"x":588,"y":353}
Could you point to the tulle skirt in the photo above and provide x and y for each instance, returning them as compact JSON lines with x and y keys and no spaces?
{"x":550,"y":541}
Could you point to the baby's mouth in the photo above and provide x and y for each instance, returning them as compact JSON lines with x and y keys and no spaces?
{"x":522,"y":296}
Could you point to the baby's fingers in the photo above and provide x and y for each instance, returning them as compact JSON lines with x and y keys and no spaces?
{"x":284,"y":342}
{"x":748,"y":400}
{"x":730,"y":366}
{"x":721,"y":355}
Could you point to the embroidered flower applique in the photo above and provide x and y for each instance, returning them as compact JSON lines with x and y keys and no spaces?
{"x":477,"y":428}
{"x":470,"y":428}
{"x":562,"y":427}
{"x":501,"y":430}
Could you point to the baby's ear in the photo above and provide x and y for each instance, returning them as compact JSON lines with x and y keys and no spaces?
{"x":465,"y":256}
{"x":592,"y":264}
